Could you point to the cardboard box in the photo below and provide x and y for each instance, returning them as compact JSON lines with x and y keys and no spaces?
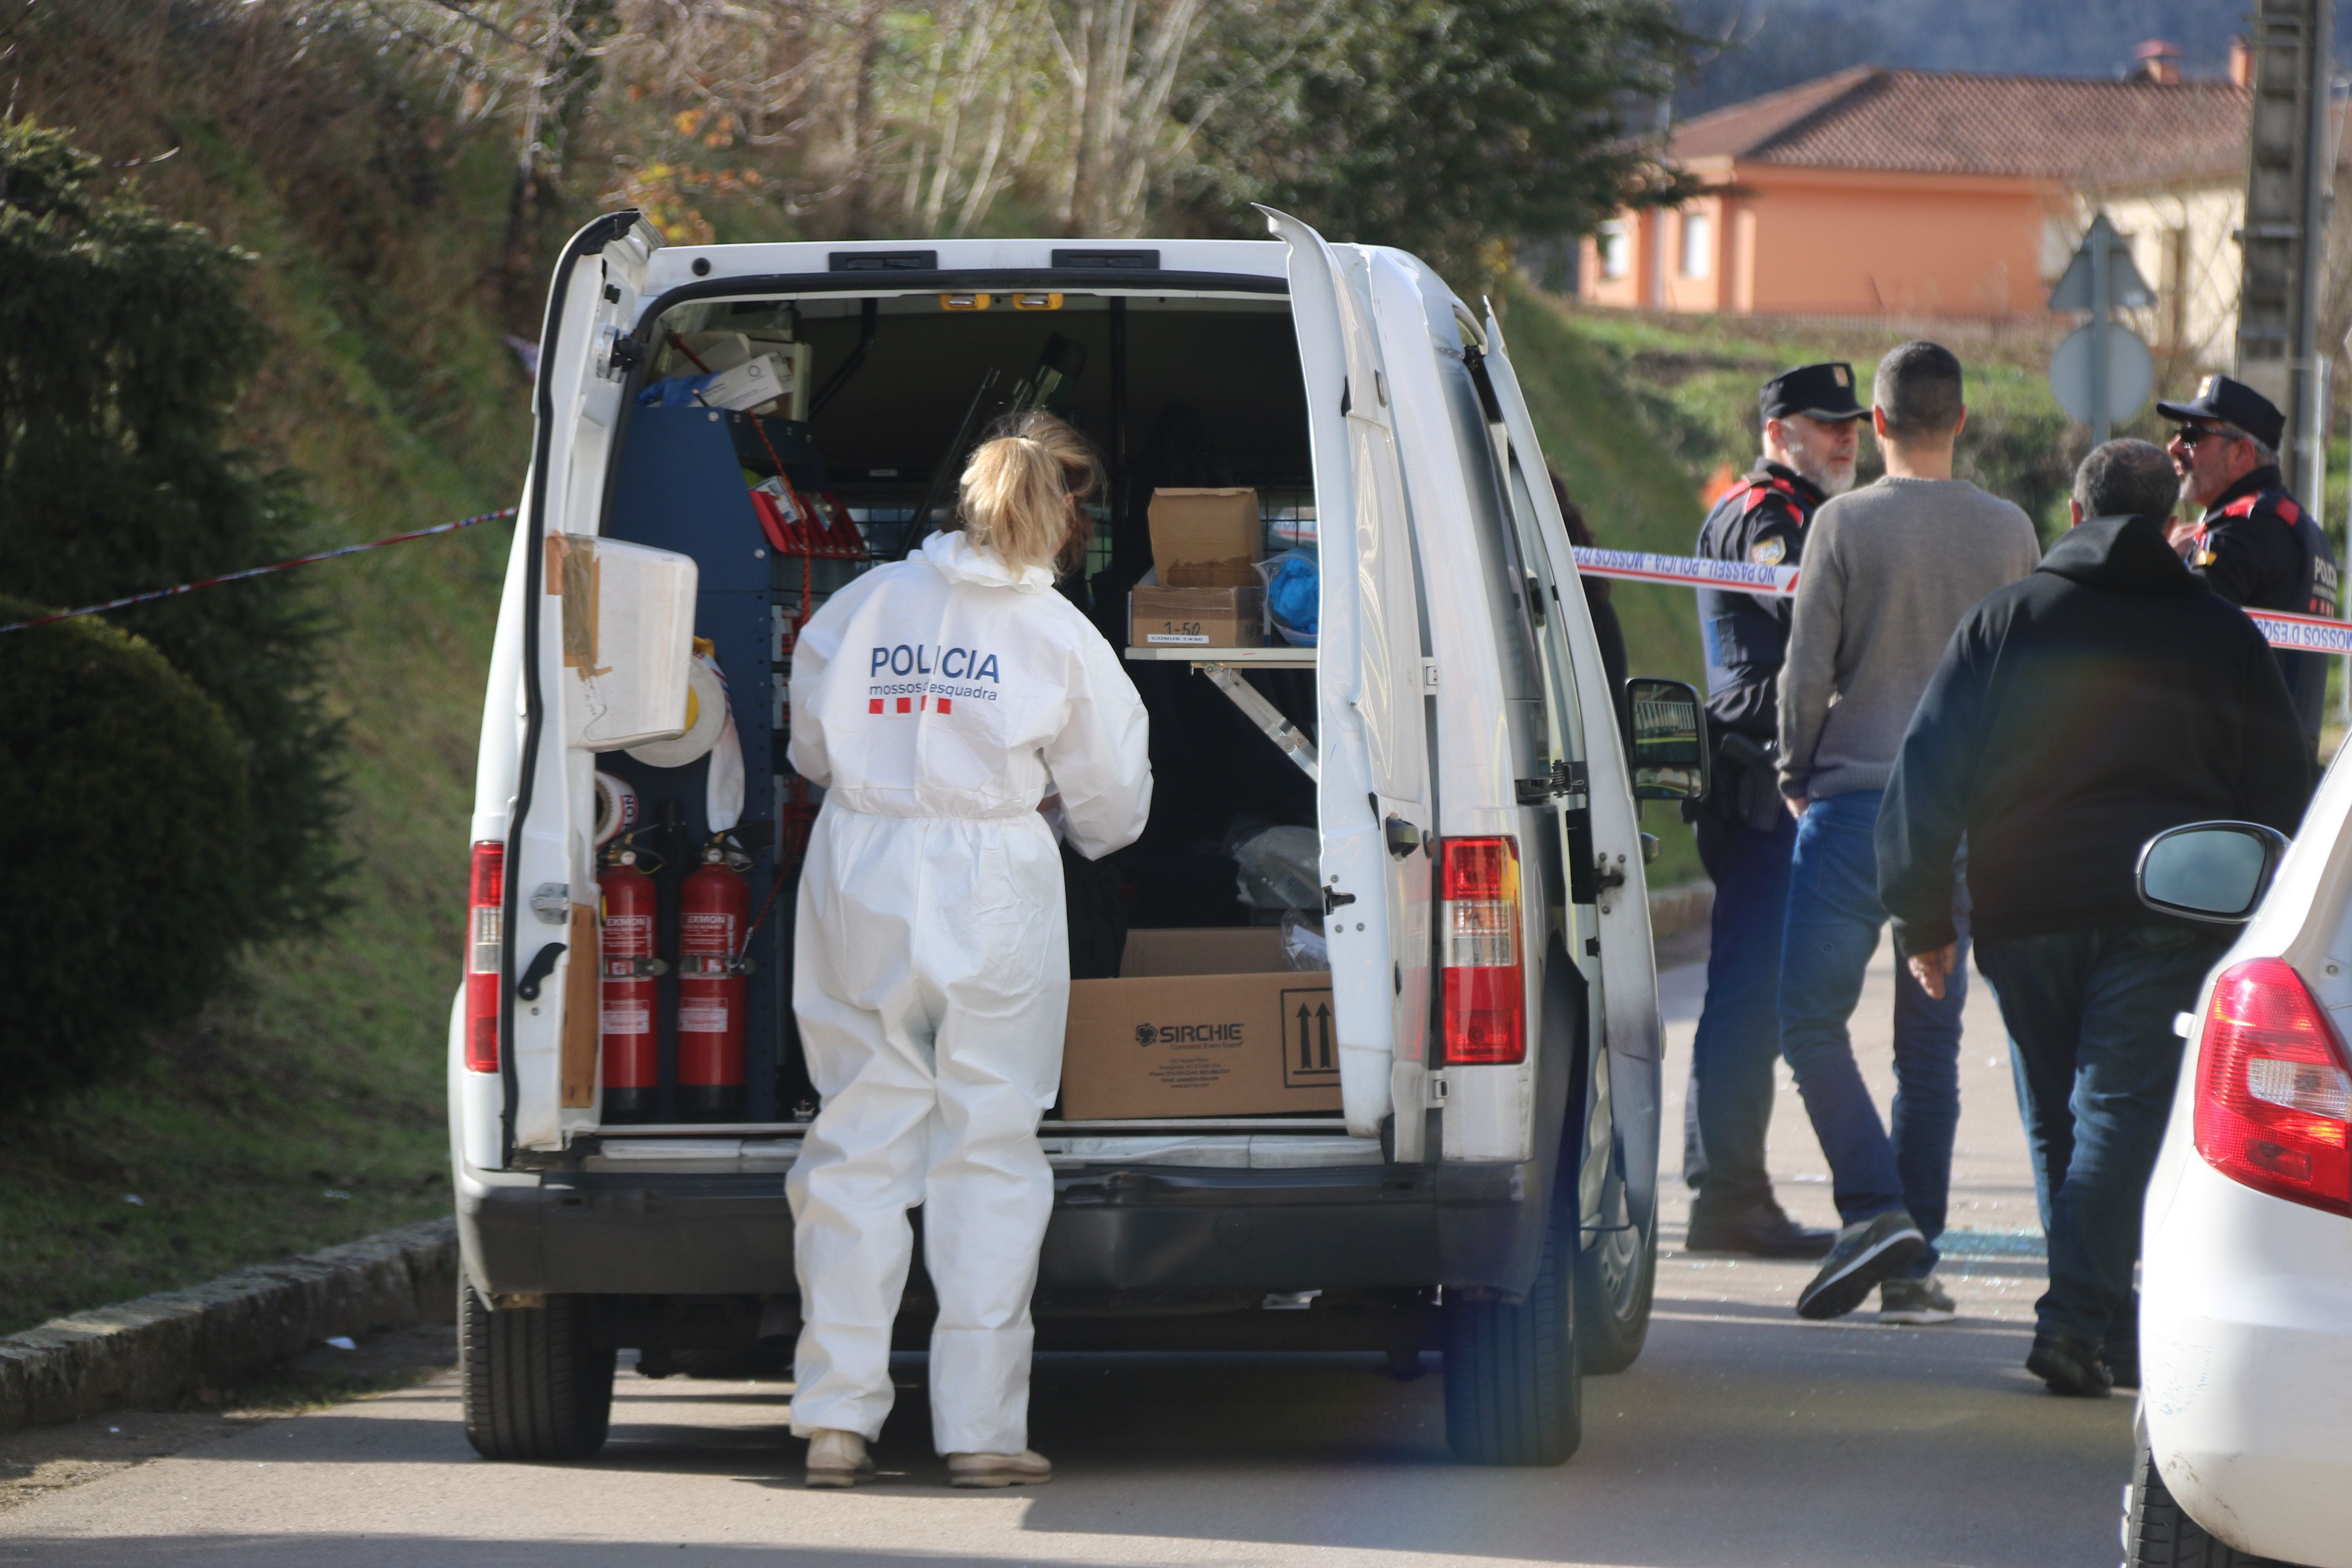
{"x":1195,"y":617}
{"x":1201,"y":1023}
{"x":1206,"y":539}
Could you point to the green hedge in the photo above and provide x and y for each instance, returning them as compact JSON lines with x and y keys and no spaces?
{"x":126,"y":833}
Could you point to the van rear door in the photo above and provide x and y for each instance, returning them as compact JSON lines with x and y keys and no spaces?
{"x":1606,"y":848}
{"x":1373,"y":799}
{"x":549,"y":1064}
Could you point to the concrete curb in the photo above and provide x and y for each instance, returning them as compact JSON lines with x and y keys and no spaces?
{"x":160,"y":1351}
{"x":1673,"y":911}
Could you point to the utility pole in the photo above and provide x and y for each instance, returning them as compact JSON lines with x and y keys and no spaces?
{"x":2289,"y":176}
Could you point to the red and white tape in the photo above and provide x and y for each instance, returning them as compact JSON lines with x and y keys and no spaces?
{"x":2303,"y":633}
{"x":155,"y":593}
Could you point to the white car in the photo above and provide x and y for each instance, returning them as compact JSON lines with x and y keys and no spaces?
{"x":1495,"y":1136}
{"x":2245,"y":1405}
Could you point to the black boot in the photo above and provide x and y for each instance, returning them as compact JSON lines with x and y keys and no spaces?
{"x":1763,"y":1231}
{"x":2069,"y":1366}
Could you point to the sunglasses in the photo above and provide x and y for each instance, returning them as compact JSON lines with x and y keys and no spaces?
{"x":2189,"y":435}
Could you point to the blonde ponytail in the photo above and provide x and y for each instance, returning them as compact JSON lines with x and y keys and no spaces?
{"x":1016,"y":492}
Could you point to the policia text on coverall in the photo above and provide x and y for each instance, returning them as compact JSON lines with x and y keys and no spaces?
{"x":940,"y":701}
{"x":1745,"y":838}
{"x":2254,"y":546}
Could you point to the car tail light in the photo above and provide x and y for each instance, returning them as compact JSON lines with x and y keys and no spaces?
{"x":2274,"y":1089}
{"x":485,"y":938}
{"x":1486,"y":995}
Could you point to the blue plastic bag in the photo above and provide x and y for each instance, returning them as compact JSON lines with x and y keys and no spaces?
{"x":677,"y":392}
{"x":1293,"y":596}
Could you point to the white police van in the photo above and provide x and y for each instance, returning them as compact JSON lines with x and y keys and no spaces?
{"x":1488,"y":1192}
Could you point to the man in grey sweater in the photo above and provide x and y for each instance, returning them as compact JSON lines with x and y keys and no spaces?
{"x":1889,"y":571}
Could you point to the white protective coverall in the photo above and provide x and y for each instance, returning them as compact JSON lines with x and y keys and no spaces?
{"x":937,"y":701}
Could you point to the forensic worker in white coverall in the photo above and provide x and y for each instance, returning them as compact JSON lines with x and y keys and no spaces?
{"x":941,"y":701}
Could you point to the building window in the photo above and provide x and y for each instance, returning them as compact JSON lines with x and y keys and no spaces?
{"x":1616,"y":252}
{"x":1698,"y":245}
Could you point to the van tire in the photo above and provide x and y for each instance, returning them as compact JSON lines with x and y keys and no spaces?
{"x":538,"y":1385}
{"x":1616,"y":1277}
{"x":2158,"y":1533}
{"x":1514,"y":1382}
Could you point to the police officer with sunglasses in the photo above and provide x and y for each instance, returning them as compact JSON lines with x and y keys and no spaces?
{"x":2254,"y":544}
{"x":1807,"y":418}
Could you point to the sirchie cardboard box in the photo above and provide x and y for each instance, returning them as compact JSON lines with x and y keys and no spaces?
{"x":1195,"y":617}
{"x":1200,"y":1022}
{"x":1206,"y":538}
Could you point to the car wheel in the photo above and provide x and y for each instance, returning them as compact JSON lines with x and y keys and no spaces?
{"x":2158,"y":1533}
{"x":538,"y":1385}
{"x":1616,"y":1278}
{"x":1514,"y":1383}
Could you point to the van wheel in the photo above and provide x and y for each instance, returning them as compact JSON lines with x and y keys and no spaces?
{"x":1615,"y":1278}
{"x":2157,"y":1533}
{"x":538,"y":1385}
{"x":1513,"y":1385}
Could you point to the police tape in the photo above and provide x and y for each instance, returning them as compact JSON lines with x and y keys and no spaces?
{"x":2303,"y":633}
{"x":1640,"y":566}
{"x":155,"y":593}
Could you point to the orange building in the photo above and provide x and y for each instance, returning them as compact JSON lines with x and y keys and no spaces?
{"x":1914,"y":193}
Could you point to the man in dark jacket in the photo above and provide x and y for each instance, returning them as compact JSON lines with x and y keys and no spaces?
{"x":2075,"y":715}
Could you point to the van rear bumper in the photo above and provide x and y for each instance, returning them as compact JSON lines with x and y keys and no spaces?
{"x":1115,"y":1229}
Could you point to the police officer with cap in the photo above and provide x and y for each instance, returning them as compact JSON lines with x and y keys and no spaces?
{"x":1745,"y":837}
{"x":2254,"y":545}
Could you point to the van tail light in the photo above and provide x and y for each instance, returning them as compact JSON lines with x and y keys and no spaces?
{"x":2274,"y":1089}
{"x":1485,"y":986}
{"x":484,"y":940}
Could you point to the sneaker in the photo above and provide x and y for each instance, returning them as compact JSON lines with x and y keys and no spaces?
{"x":2069,"y":1366}
{"x":1025,"y":1469}
{"x":837,"y":1458}
{"x":1866,"y":1252}
{"x":1903,"y":1299}
{"x":1764,"y":1231}
{"x":2122,"y":1357}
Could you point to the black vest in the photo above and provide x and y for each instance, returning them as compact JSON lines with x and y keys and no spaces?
{"x":1762,"y":521}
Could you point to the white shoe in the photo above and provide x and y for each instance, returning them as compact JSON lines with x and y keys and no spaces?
{"x":837,"y":1458}
{"x":1025,"y":1469}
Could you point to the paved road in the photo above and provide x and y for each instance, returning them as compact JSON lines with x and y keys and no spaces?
{"x":1742,"y":1438}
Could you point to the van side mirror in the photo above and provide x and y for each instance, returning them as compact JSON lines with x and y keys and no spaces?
{"x":2215,"y":871}
{"x":1666,"y":740}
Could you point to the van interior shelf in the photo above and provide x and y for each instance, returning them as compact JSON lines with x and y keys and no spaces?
{"x":1262,"y":658}
{"x":1224,"y":665}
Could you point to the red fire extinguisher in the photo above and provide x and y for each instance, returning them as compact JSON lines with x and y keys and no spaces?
{"x":713,"y":907}
{"x":632,"y":1048}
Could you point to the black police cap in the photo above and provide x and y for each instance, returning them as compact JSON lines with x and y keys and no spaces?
{"x":1817,"y":390}
{"x":2231,"y":403}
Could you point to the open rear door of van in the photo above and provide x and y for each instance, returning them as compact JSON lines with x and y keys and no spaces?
{"x":548,"y":1065}
{"x":1605,"y":850}
{"x":1373,"y":799}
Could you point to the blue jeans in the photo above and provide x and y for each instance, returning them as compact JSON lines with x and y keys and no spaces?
{"x":1738,"y":1036}
{"x":2090,"y":1033}
{"x":1833,"y":929}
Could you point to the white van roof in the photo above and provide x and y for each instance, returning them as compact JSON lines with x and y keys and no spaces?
{"x":879,"y":266}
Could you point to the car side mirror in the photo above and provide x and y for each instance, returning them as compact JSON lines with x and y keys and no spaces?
{"x":1666,"y":740}
{"x":2215,"y":871}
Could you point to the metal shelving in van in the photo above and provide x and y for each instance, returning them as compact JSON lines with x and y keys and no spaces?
{"x":1258,"y":658}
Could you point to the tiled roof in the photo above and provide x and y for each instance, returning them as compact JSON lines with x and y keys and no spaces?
{"x":1947,"y":122}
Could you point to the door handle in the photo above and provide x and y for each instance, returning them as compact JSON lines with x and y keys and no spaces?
{"x":543,"y":965}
